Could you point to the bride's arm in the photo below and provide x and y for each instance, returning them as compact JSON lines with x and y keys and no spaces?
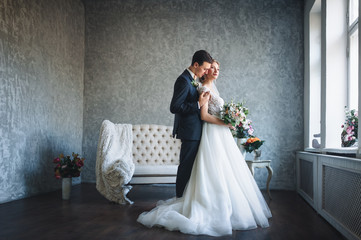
{"x":205,"y":116}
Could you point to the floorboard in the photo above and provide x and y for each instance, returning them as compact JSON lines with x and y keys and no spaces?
{"x":88,"y":215}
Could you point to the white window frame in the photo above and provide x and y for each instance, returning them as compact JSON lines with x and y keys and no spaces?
{"x":352,"y":28}
{"x":329,"y":108}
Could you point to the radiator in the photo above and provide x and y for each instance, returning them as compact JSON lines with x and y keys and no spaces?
{"x":307,"y":178}
{"x":332,"y":186}
{"x":341,"y":197}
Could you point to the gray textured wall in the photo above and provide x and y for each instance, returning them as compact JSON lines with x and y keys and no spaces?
{"x":134,"y":51}
{"x":41,"y":91}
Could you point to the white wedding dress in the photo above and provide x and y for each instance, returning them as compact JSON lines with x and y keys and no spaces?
{"x":221,"y":194}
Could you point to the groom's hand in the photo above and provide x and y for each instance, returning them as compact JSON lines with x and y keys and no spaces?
{"x":203,"y":98}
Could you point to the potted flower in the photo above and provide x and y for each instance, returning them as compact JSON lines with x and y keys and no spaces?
{"x":350,"y":129}
{"x":66,"y":168}
{"x":253,"y":144}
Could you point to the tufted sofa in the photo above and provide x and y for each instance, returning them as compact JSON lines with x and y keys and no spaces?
{"x":155,"y":154}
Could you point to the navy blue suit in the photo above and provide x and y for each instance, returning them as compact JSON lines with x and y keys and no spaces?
{"x":187,"y":126}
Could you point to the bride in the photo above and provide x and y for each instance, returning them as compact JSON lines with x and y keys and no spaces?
{"x":221,"y":194}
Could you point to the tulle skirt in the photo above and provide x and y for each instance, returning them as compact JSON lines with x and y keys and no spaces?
{"x":220,"y":196}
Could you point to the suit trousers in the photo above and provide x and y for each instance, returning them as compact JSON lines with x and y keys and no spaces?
{"x":187,"y":156}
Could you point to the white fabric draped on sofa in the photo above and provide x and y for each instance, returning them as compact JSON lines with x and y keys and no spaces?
{"x":136,"y":154}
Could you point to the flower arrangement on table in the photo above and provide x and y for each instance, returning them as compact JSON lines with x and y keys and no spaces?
{"x":350,"y":128}
{"x":236,"y":114}
{"x":67,"y":166}
{"x":253,"y":143}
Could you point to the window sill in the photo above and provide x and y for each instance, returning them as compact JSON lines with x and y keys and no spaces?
{"x":342,"y":151}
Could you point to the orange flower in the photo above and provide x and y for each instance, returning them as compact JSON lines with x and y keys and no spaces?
{"x":252,"y":144}
{"x":253,"y":139}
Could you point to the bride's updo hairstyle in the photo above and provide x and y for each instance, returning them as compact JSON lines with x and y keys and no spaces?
{"x":203,"y":78}
{"x":214,"y":60}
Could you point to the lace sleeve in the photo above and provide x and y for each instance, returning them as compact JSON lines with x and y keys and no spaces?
{"x":215,"y":102}
{"x":215,"y":105}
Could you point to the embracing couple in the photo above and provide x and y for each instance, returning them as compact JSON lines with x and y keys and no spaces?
{"x":215,"y":191}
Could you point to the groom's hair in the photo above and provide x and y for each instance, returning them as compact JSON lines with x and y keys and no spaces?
{"x":201,"y":56}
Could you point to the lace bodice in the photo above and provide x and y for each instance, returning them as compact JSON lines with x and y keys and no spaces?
{"x":215,"y":102}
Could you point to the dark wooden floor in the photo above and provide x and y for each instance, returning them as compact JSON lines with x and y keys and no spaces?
{"x":87,"y":215}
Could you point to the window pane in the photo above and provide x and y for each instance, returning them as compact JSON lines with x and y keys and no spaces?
{"x":353,"y":8}
{"x":353,"y":74}
{"x":315,"y":81}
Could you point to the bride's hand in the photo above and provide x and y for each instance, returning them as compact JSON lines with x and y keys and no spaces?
{"x":231,"y":126}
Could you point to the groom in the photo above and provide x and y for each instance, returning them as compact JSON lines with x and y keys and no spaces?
{"x":186,"y":104}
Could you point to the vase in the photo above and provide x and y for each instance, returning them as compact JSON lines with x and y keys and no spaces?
{"x":257,"y":154}
{"x":66,"y":188}
{"x":240,"y":142}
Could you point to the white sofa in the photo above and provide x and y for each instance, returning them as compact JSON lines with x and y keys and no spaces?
{"x":155,"y":154}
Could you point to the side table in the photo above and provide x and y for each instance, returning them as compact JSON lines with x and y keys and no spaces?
{"x":252,"y":164}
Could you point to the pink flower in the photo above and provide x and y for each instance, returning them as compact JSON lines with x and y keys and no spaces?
{"x":80,"y":163}
{"x":56,"y":160}
{"x":348,"y":130}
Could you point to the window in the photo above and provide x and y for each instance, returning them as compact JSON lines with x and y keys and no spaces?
{"x":315,"y":75}
{"x":331,"y":71}
{"x":352,"y":54}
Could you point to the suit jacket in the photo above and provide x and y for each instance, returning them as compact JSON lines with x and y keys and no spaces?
{"x":184,"y":104}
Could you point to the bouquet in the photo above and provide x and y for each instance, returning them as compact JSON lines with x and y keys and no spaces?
{"x":350,"y":128}
{"x":253,"y":143}
{"x":244,"y":129}
{"x":236,"y":114}
{"x":68,"y":167}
